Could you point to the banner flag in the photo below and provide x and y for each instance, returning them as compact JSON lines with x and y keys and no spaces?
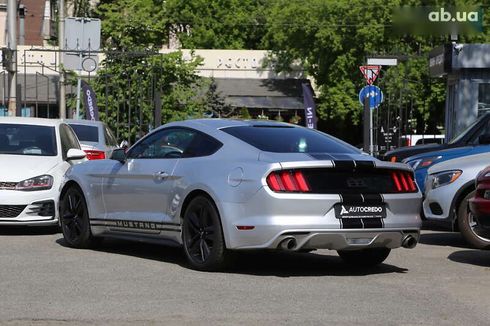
{"x":309,"y":105}
{"x":90,"y":102}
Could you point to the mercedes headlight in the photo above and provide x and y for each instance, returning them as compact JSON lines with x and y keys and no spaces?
{"x":444,"y":178}
{"x":423,"y":162}
{"x":42,"y":182}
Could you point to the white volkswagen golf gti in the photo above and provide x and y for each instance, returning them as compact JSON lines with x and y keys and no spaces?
{"x":34,"y":156}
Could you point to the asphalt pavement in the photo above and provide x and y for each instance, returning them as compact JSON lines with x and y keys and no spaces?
{"x":440,"y":282}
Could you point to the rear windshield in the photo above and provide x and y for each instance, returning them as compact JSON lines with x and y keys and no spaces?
{"x":86,"y":133}
{"x":20,"y":139}
{"x":290,"y":140}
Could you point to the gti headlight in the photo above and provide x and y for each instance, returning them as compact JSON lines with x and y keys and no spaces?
{"x":423,"y":162}
{"x":444,"y":178}
{"x":42,"y":182}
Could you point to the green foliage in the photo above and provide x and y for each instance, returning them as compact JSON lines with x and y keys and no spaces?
{"x":214,"y":103}
{"x":129,"y":24}
{"x":244,"y":114}
{"x":218,"y":24}
{"x":128,"y":84}
{"x":332,"y":39}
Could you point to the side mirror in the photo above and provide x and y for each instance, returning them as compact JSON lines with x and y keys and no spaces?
{"x":124,"y":144}
{"x":484,"y":139}
{"x":119,"y":154}
{"x":75,"y":154}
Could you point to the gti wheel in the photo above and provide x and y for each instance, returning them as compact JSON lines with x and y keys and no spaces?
{"x":202,"y":237}
{"x":468,"y":226}
{"x":74,"y":218}
{"x":364,"y":257}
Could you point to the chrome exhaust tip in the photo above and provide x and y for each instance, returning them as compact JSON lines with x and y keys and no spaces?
{"x":288,"y":244}
{"x":409,"y":242}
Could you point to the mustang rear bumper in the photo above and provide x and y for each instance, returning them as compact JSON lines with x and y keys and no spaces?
{"x":340,"y":239}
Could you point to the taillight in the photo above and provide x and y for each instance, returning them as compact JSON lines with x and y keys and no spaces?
{"x":287,"y":181}
{"x":95,"y":155}
{"x":403,"y":181}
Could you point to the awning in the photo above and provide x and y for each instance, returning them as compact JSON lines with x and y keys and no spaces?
{"x":285,"y":94}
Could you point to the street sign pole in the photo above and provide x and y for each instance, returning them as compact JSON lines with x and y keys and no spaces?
{"x":79,"y":81}
{"x":366,"y":125}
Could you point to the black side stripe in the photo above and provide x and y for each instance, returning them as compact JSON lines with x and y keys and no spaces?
{"x":135,"y":225}
{"x":115,"y":220}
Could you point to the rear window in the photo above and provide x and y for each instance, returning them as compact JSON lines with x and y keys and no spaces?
{"x":290,"y":140}
{"x":86,"y":133}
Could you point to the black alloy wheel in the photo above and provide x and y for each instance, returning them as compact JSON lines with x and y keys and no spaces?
{"x":202,"y":237}
{"x":75,"y":223}
{"x":468,"y":226}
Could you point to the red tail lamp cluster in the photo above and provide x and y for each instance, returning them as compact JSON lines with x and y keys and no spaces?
{"x":287,"y":181}
{"x":95,"y":155}
{"x":403,"y":181}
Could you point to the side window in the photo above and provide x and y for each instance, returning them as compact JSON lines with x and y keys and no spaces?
{"x":202,"y":145}
{"x":167,"y":143}
{"x":68,"y":140}
{"x":485,"y":130}
{"x":65,"y":145}
{"x":72,"y":137}
{"x":110,"y":140}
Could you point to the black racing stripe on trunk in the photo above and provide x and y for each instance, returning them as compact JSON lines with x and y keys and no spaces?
{"x":344,"y":165}
{"x":372,"y":223}
{"x":373,"y":198}
{"x":351,"y":198}
{"x":351,"y":223}
{"x":364,"y":165}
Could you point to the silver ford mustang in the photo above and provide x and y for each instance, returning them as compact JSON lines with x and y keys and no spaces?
{"x":216,"y":185}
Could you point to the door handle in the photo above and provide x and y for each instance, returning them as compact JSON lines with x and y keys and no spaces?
{"x":160,"y":175}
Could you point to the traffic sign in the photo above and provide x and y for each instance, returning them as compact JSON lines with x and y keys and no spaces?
{"x":374,"y":93}
{"x":370,"y":73}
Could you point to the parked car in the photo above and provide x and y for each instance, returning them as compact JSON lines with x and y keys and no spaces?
{"x":449,"y":186}
{"x":34,"y":156}
{"x":480,"y":204}
{"x":218,"y":185}
{"x":414,"y":140}
{"x":477,"y":134}
{"x":96,"y":139}
{"x":422,"y":162}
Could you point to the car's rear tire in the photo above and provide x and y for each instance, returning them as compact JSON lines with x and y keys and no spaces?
{"x":202,"y":236}
{"x":75,"y":223}
{"x":364,"y":257}
{"x":468,"y":225}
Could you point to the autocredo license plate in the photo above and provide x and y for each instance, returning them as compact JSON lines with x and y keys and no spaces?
{"x":360,"y":211}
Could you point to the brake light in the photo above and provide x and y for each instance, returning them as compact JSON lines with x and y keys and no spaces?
{"x":287,"y":181}
{"x":95,"y":155}
{"x":403,"y":181}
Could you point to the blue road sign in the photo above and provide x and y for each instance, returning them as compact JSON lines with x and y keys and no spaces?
{"x":374,"y":93}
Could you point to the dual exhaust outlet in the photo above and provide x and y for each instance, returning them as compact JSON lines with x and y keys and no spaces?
{"x":290,"y":243}
{"x":409,"y":242}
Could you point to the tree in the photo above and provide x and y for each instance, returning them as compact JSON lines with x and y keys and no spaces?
{"x":129,"y":24}
{"x":224,"y":24}
{"x":332,"y":39}
{"x":132,"y":82}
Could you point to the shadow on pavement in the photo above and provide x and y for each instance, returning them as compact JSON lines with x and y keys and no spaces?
{"x":450,"y":239}
{"x":262,"y":263}
{"x":14,"y":230}
{"x":472,"y":257}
